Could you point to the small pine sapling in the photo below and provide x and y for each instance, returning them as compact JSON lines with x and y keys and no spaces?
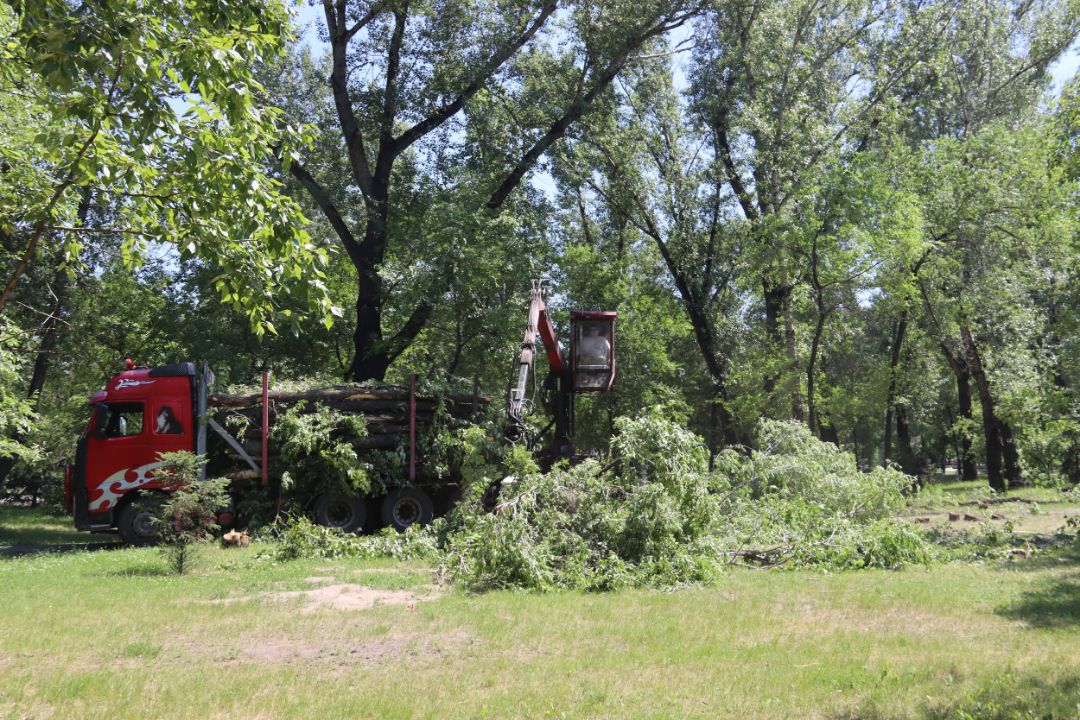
{"x":188,"y":518}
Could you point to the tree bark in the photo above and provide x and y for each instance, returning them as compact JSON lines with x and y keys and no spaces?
{"x":370,"y":359}
{"x":991,"y":428}
{"x":899,"y":332}
{"x":792,"y":356}
{"x":828,"y":432}
{"x":962,"y":371}
{"x":811,"y":369}
{"x":1010,"y":456}
{"x":909,"y":463}
{"x":774,"y":295}
{"x":968,"y":470}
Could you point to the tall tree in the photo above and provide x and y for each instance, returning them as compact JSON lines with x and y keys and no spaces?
{"x":101,"y":85}
{"x":998,"y":210}
{"x":403,"y":74}
{"x":788,"y":90}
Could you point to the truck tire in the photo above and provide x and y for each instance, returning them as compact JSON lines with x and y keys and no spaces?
{"x":405,"y":507}
{"x":135,"y":522}
{"x":347,"y":513}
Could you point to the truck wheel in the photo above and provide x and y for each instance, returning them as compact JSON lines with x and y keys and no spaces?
{"x":136,"y":521}
{"x":344,"y":512}
{"x":405,"y":507}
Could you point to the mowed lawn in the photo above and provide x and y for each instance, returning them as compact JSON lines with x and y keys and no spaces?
{"x":107,"y":633}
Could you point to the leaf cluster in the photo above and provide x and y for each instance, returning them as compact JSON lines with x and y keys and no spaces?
{"x":654,"y":514}
{"x":316,"y":444}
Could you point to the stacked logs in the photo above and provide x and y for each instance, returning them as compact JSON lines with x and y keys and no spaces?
{"x":385,"y":410}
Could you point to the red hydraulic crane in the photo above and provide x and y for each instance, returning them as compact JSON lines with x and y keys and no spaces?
{"x":590,"y":367}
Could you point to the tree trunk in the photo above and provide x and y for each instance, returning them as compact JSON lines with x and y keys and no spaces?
{"x":51,"y":328}
{"x":968,"y":471}
{"x":778,"y":310}
{"x":991,"y":428}
{"x":1011,"y":457}
{"x":899,"y":332}
{"x":720,"y":417}
{"x":372,"y":352}
{"x":964,"y":457}
{"x":908,"y":462}
{"x":50,"y":332}
{"x":370,"y":360}
{"x":828,"y":432}
{"x":812,"y":420}
{"x":774,"y":302}
{"x":792,"y":356}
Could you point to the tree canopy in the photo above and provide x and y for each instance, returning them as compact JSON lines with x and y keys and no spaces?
{"x":857,"y":215}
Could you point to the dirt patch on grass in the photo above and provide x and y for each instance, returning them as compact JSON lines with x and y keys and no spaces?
{"x":319,"y":579}
{"x":347,"y":597}
{"x":331,"y":651}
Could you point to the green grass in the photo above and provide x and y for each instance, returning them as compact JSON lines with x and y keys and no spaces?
{"x":1029,"y":511}
{"x":111,"y":634}
{"x":41,"y":526}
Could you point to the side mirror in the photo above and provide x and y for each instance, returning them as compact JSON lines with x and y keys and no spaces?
{"x":101,"y":416}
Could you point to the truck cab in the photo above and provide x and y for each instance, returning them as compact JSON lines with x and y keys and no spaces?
{"x":142,"y":413}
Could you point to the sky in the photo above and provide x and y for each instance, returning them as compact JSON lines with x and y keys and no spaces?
{"x":1065,"y":68}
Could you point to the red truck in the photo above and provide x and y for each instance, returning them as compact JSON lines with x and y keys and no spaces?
{"x":145,"y":411}
{"x":142,"y":412}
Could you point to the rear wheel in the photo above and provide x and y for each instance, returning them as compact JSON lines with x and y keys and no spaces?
{"x":407,"y":506}
{"x":344,"y":512}
{"x":136,"y":521}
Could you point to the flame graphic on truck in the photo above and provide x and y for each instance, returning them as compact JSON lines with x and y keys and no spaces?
{"x":121,"y":482}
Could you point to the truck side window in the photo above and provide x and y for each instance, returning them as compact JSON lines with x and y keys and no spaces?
{"x":125,"y":420}
{"x":165,"y":422}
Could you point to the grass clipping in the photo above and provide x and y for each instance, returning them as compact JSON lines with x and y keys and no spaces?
{"x":654,"y":515}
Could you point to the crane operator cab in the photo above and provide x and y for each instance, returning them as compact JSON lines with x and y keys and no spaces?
{"x":592,"y":350}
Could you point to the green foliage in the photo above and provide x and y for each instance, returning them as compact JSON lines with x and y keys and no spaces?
{"x":300,"y":538}
{"x":156,"y":110}
{"x":17,"y":414}
{"x":315,"y":443}
{"x":883,"y":544}
{"x":792,"y":463}
{"x":188,"y":517}
{"x":655,"y":515}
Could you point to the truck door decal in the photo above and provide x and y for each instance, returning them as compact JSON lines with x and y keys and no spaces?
{"x":119,"y":483}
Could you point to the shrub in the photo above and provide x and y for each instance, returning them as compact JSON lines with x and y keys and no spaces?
{"x":793,"y":463}
{"x":301,"y":538}
{"x":188,"y":517}
{"x":641,"y":518}
{"x":882,"y":544}
{"x":316,"y":445}
{"x":653,"y":515}
{"x":650,"y":514}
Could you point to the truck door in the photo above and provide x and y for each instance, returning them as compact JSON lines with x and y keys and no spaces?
{"x":120,"y":457}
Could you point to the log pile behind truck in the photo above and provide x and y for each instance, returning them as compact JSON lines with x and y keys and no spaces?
{"x":412,"y":494}
{"x":384,"y":408}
